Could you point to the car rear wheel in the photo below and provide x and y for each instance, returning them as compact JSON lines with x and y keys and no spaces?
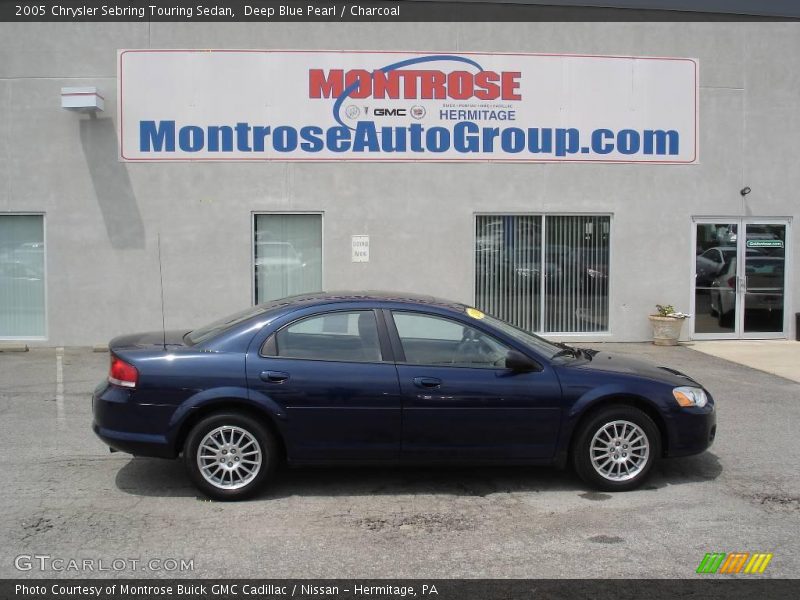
{"x":615,"y":449}
{"x":229,"y":456}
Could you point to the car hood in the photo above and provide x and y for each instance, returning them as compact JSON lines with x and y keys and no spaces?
{"x":623,"y":365}
{"x":149,"y":339}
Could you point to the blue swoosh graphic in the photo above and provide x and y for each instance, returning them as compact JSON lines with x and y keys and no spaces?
{"x":398,"y":65}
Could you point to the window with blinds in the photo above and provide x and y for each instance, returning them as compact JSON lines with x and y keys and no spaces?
{"x":288,"y":255}
{"x":544,"y":273}
{"x":22,"y":277}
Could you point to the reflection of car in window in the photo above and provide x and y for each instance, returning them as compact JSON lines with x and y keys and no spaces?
{"x":713,"y":261}
{"x":490,"y":237}
{"x":19,"y":271}
{"x":279,"y":267}
{"x":765,"y":281}
{"x":25,"y":284}
{"x":596,"y":264}
{"x":277,"y":254}
{"x":762,"y":232}
{"x":709,"y":264}
{"x":562,"y":265}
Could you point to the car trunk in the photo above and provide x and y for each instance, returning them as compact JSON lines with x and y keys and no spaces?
{"x":149,"y":339}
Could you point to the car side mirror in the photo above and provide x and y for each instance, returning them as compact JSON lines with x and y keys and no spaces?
{"x":519,"y":363}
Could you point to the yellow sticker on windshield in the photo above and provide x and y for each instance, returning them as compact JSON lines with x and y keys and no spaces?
{"x":475,"y":313}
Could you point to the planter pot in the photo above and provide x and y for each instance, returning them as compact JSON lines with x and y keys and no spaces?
{"x":666,"y":330}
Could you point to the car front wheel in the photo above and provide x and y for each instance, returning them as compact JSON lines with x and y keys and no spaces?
{"x":615,"y":449}
{"x":229,"y":456}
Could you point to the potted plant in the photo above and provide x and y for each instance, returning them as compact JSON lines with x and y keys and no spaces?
{"x":667,"y":324}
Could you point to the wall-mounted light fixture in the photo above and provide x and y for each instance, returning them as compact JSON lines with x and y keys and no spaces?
{"x":82,"y":99}
{"x":744,"y":191}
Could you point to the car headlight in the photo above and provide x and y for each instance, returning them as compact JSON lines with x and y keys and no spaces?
{"x":690,"y":396}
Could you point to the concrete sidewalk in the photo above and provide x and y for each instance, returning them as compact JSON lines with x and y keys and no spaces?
{"x":779,"y":357}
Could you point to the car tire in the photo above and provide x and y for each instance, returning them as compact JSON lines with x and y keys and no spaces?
{"x":615,"y":448}
{"x":239,"y":455}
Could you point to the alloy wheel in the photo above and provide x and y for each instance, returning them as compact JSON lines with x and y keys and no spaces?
{"x":229,"y":457}
{"x":619,"y":450}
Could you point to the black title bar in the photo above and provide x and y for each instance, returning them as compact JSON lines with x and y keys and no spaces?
{"x":331,"y":11}
{"x":732,"y":588}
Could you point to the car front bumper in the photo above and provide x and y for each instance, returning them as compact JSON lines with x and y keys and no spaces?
{"x":691,"y":430}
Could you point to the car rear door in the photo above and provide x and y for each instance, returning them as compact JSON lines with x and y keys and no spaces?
{"x":459,"y":400}
{"x":333,"y":375}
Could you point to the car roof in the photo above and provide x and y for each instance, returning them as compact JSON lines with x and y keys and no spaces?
{"x":766,"y":259}
{"x":366,"y":297}
{"x":231,"y":334}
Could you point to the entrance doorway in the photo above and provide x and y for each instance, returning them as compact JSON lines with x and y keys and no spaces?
{"x":740,"y":278}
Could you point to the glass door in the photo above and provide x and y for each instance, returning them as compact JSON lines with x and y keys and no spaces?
{"x":716,"y":303}
{"x":739,"y":280}
{"x":763,"y":280}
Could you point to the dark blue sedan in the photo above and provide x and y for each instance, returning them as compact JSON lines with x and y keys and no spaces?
{"x":337,"y":378}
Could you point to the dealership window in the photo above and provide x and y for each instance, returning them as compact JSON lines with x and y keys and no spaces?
{"x":22,"y":293}
{"x":545,"y":273}
{"x":287,"y":255}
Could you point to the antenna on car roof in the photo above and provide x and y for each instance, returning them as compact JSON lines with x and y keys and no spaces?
{"x":161,"y":281}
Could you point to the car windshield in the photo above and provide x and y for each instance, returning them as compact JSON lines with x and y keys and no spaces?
{"x":549,"y":349}
{"x":213,"y":329}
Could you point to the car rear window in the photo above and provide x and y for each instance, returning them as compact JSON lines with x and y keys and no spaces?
{"x":219,"y":326}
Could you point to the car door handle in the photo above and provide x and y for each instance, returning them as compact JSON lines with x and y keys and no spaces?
{"x":274,"y":376}
{"x":427,"y":382}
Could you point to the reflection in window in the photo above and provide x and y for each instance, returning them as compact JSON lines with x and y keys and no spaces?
{"x":22,"y":292}
{"x":764,"y":272}
{"x":340,"y":336}
{"x":288,"y":255}
{"x":715,"y":298}
{"x":429,"y":340}
{"x":544,"y":273}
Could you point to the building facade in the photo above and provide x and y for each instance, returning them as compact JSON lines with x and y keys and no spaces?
{"x":91,"y":243}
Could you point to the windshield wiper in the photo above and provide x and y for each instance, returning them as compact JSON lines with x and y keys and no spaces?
{"x":567,"y":351}
{"x":572,"y":351}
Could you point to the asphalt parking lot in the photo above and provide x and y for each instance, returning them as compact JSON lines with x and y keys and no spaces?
{"x":64,"y":496}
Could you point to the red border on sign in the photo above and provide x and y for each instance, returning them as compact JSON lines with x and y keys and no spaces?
{"x":416,"y":160}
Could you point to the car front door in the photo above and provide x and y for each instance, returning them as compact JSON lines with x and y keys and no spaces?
{"x":459,"y":400}
{"x":336,"y":383}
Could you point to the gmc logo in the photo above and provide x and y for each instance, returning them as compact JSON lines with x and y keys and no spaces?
{"x":389,"y":112}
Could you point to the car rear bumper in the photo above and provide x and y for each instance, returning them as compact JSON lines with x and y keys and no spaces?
{"x":692,"y":431}
{"x":138,"y":444}
{"x":127,"y":426}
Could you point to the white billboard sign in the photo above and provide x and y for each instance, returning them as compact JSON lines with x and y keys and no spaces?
{"x":242,"y":105}
{"x":360,"y":247}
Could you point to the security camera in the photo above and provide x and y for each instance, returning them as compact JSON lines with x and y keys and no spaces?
{"x":744,"y":191}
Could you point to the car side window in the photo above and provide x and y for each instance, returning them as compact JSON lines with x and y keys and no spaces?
{"x":334,"y":336}
{"x":430,"y":340}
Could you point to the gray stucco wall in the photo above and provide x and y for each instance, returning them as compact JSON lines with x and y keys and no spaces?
{"x":103,"y":216}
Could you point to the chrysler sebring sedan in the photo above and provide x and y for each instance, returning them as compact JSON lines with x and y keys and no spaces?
{"x":344,"y":378}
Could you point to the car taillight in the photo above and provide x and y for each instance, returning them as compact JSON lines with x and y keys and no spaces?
{"x":732,"y":282}
{"x":122,"y":373}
